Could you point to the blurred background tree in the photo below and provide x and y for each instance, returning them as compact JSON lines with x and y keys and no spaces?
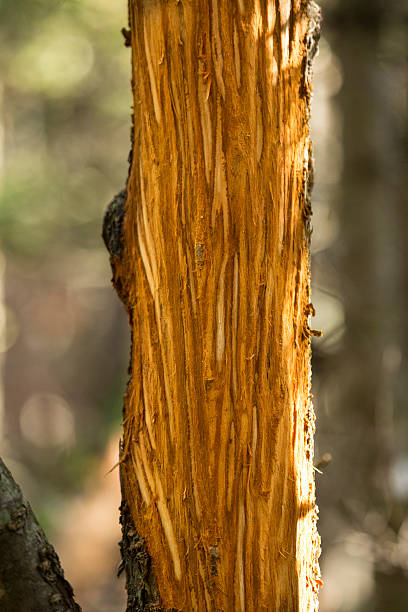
{"x":64,"y":139}
{"x":359,"y":268}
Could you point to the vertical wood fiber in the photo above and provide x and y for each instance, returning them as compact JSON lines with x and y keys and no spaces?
{"x":217,"y":461}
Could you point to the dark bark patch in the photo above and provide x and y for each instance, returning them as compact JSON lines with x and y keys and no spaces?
{"x":31,"y":576}
{"x":214,"y":558}
{"x":314,"y":15}
{"x":113,"y":223}
{"x":141,"y":585}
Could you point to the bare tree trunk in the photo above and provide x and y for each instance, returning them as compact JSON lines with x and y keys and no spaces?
{"x":211,"y":257}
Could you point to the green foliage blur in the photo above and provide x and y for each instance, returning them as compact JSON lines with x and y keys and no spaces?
{"x":65,"y":115}
{"x":65,"y":104}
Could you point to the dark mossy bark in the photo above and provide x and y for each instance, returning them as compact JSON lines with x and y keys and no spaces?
{"x":31,"y":576}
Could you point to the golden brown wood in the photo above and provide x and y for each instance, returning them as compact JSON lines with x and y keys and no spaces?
{"x":217,"y":462}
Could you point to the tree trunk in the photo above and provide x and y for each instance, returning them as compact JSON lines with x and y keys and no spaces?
{"x":210,"y":254}
{"x":31,"y":576}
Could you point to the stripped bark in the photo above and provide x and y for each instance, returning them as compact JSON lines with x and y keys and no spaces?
{"x":31,"y":577}
{"x":213,"y":266}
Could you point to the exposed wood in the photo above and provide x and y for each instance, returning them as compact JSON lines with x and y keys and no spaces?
{"x":31,"y":577}
{"x":217,"y":456}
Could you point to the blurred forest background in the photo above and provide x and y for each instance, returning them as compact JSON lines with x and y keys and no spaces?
{"x":65,"y":109}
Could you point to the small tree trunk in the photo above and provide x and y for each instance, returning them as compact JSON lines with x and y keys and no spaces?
{"x":213,"y":265}
{"x":31,"y":576}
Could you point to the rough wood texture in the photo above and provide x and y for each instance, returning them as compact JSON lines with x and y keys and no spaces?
{"x":31,"y":577}
{"x":217,"y":461}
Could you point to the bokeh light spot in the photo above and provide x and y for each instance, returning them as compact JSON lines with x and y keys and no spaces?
{"x":46,"y":420}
